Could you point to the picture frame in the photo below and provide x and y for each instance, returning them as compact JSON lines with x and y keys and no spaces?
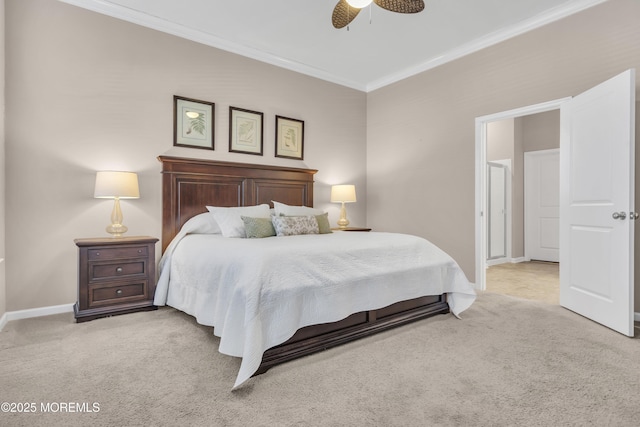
{"x":245,"y":131}
{"x":193,"y":123}
{"x":289,"y":138}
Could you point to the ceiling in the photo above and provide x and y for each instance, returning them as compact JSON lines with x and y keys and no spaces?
{"x":378,"y":48}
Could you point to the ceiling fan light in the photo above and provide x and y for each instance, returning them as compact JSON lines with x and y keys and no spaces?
{"x":359,"y":4}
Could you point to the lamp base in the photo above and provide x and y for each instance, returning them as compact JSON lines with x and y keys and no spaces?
{"x":343,"y":222}
{"x":116,"y":230}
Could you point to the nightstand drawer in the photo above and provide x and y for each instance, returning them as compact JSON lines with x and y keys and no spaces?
{"x":117,"y":253}
{"x":121,"y":269}
{"x":126,"y":292}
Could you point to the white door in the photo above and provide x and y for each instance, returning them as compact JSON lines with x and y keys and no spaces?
{"x":497,"y":210}
{"x":596,"y":193}
{"x":542,"y":205}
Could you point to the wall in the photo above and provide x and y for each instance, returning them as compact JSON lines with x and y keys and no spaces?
{"x":500,"y":136}
{"x":3,"y":292}
{"x":87,"y":92}
{"x":421,"y":131}
{"x":540,"y":131}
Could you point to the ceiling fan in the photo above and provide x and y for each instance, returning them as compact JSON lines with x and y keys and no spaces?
{"x":346,"y":10}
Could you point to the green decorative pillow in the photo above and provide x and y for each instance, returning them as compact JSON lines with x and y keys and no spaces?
{"x":258,"y":227}
{"x":323,"y":223}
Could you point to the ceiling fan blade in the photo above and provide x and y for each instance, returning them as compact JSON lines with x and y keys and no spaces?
{"x":343,"y":14}
{"x":401,"y":6}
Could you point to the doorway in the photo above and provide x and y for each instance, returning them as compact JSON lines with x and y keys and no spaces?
{"x":531,"y":269}
{"x":597,"y":164}
{"x":482,"y":202}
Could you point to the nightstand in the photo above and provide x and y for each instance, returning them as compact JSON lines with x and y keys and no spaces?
{"x":352,"y":229}
{"x":115,"y":276}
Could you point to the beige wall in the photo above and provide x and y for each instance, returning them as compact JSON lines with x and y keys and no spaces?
{"x":540,"y":131}
{"x":3,"y":293}
{"x":421,"y":131}
{"x":87,"y":92}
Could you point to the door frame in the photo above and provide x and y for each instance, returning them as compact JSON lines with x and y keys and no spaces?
{"x":481,"y":179}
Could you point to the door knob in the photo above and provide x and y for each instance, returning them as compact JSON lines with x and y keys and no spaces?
{"x":619,"y":215}
{"x":634,"y":215}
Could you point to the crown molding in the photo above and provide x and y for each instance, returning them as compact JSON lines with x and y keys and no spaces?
{"x":159,"y":24}
{"x":538,"y":21}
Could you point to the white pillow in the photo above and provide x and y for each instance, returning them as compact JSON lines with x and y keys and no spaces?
{"x":230,"y":219}
{"x":286,"y":210}
{"x":204,"y":223}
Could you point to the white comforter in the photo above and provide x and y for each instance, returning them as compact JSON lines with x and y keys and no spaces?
{"x":257,"y":292}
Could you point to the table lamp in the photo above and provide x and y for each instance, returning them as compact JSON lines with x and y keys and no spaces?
{"x":116,"y":185}
{"x":343,"y":194}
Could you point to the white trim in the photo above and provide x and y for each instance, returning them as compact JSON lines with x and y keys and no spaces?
{"x":35,"y":312}
{"x":156,"y":23}
{"x":481,"y":176}
{"x":499,"y":261}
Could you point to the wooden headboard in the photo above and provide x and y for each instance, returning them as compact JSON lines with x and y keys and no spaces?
{"x":189,"y":185}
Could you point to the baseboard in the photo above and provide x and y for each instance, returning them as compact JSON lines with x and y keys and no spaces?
{"x":636,"y":316}
{"x":3,"y":321}
{"x":35,"y":312}
{"x":499,"y":261}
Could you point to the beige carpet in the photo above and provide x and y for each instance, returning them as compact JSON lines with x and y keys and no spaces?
{"x":508,"y":362}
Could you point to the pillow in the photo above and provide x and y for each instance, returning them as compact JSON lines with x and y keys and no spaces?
{"x":258,"y":227}
{"x":285,"y":210}
{"x":323,"y":223}
{"x":203,"y":223}
{"x":230,"y":221}
{"x":295,"y":225}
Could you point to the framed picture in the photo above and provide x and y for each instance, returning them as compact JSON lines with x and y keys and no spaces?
{"x":193,"y":123}
{"x":245,"y":131}
{"x":289,"y":138}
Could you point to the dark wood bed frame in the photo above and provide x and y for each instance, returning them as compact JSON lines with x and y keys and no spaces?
{"x":189,"y":185}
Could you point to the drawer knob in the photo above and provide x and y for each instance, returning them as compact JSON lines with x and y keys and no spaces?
{"x":119,"y":292}
{"x":139,"y":251}
{"x":119,"y":270}
{"x":97,"y":253}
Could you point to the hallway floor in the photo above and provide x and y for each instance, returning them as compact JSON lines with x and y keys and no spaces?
{"x":535,"y":280}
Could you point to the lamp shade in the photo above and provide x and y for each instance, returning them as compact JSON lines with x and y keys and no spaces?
{"x":343,"y":193}
{"x":112,"y":184}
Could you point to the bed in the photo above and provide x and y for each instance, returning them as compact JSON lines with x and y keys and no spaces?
{"x":273,"y":315}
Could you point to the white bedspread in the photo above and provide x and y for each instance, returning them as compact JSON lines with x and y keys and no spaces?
{"x":257,"y":292}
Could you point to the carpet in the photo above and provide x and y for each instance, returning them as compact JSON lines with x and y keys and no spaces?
{"x":507,"y":362}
